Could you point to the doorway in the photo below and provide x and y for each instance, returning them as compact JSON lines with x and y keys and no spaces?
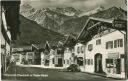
{"x":98,"y":63}
{"x":80,"y":61}
{"x":60,"y":62}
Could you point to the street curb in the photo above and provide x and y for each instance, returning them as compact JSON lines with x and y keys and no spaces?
{"x":46,"y":68}
{"x":94,"y":74}
{"x":56,"y":69}
{"x":104,"y":76}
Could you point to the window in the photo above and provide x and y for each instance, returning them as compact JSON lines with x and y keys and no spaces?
{"x":53,"y":60}
{"x":64,"y":61}
{"x":67,"y":50}
{"x":109,"y":45}
{"x":60,"y":51}
{"x":80,"y":61}
{"x":90,"y":47}
{"x":118,"y":43}
{"x":78,"y":50}
{"x":85,"y":61}
{"x":67,"y":61}
{"x":121,"y":42}
{"x":82,"y":49}
{"x":115,"y":44}
{"x":91,"y":61}
{"x":98,"y":42}
{"x":88,"y":61}
{"x":109,"y":63}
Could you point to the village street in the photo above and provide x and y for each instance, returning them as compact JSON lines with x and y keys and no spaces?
{"x":49,"y":74}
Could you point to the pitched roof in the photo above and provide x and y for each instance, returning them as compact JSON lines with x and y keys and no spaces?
{"x":102,"y":19}
{"x":39,"y":46}
{"x":53,"y":43}
{"x":70,"y":41}
{"x":89,"y":31}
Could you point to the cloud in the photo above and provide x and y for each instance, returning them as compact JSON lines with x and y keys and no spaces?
{"x":92,"y":3}
{"x":80,"y":4}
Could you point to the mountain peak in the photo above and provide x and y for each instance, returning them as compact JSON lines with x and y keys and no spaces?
{"x":96,"y":10}
{"x":111,"y":13}
{"x":26,"y":5}
{"x":100,"y":7}
{"x":113,"y":8}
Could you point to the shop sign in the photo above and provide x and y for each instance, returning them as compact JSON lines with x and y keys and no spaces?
{"x":113,"y":55}
{"x":17,"y":49}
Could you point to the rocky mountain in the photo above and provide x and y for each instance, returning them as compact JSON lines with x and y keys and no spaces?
{"x":75,"y":25}
{"x":31,"y":32}
{"x":27,"y":10}
{"x":68,"y":11}
{"x":88,"y":13}
{"x":68,"y":20}
{"x":111,"y":13}
{"x":48,"y":18}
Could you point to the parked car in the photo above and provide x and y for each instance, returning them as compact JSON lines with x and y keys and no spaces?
{"x":73,"y":68}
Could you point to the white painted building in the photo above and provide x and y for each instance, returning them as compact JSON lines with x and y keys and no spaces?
{"x":30,"y":57}
{"x":106,"y":53}
{"x":42,"y":59}
{"x":69,"y":51}
{"x":104,"y":47}
{"x":17,"y":57}
{"x":52,"y":58}
{"x":68,"y":57}
{"x":80,"y":54}
{"x":48,"y":55}
{"x":5,"y":37}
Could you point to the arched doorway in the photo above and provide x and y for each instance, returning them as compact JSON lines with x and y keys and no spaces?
{"x":98,"y":63}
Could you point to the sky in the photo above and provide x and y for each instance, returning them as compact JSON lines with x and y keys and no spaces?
{"x":78,"y":4}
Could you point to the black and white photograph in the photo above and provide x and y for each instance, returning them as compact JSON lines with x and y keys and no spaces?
{"x":49,"y":40}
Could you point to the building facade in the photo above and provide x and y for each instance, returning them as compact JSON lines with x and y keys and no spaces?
{"x":30,"y":58}
{"x":105,"y":54}
{"x":80,"y":55}
{"x":68,"y":57}
{"x":59,"y":55}
{"x":52,"y":55}
{"x":69,"y":51}
{"x":9,"y":30}
{"x":105,"y":47}
{"x":5,"y":43}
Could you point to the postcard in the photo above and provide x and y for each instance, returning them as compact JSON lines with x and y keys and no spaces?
{"x":64,"y":40}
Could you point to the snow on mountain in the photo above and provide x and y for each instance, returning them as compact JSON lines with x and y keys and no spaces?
{"x":88,"y":13}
